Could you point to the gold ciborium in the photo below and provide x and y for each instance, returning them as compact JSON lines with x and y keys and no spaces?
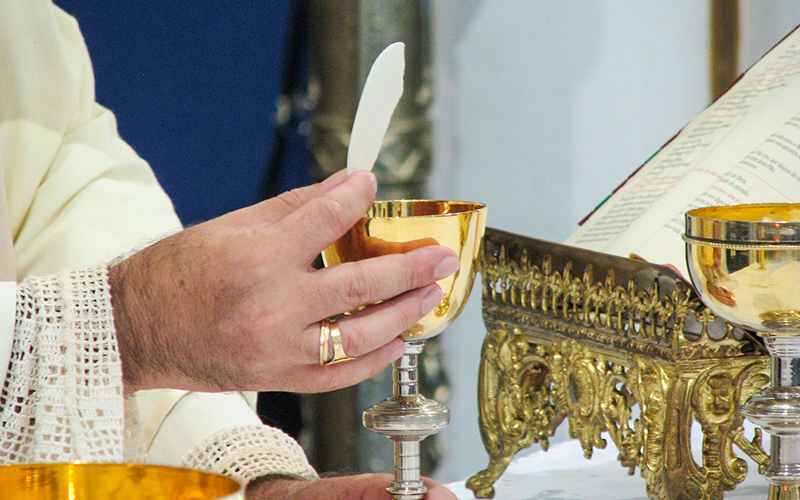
{"x":395,"y":226}
{"x":744,"y":261}
{"x":78,"y":481}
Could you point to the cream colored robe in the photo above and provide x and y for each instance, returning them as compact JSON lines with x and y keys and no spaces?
{"x":77,"y":196}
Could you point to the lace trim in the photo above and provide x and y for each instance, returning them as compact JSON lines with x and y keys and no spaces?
{"x":249,"y":452}
{"x":62,"y":398}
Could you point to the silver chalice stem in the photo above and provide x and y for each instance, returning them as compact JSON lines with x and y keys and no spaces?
{"x":777,"y":410}
{"x":407,"y":417}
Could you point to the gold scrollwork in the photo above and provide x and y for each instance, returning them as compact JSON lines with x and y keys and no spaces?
{"x":517,"y":409}
{"x":578,"y":378}
{"x":566,"y":345}
{"x":715,"y":398}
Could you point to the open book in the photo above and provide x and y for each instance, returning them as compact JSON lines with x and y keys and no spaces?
{"x":743,"y":148}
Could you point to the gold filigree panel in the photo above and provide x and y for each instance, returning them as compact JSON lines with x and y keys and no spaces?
{"x":622,"y":350}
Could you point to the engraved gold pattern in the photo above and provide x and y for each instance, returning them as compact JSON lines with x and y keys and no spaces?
{"x":621,"y":349}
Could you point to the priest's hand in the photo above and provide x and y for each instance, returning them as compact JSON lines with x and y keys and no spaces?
{"x":360,"y":487}
{"x":235,"y":303}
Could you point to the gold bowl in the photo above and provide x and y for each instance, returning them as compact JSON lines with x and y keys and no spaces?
{"x":398,"y":226}
{"x":744,"y":261}
{"x":77,"y":481}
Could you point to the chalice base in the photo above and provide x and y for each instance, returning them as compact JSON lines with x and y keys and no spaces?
{"x":400,"y":491}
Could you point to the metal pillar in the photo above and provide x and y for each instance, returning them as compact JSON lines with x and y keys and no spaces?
{"x":345,"y":38}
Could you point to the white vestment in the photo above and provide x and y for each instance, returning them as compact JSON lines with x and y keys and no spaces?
{"x":77,"y":196}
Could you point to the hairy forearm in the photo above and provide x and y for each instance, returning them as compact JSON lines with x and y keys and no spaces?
{"x":276,"y":486}
{"x":359,"y":487}
{"x":131,"y":354}
{"x":160,"y":320}
{"x":339,"y":488}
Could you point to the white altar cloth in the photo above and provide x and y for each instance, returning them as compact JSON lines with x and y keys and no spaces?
{"x":562,"y":473}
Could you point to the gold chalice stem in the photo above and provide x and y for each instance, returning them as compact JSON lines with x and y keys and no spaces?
{"x":407,"y":417}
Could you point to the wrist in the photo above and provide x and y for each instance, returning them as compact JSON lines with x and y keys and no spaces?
{"x":124,"y":306}
{"x":274,"y":486}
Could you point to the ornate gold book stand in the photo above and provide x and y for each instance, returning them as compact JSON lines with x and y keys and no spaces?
{"x":618,"y":346}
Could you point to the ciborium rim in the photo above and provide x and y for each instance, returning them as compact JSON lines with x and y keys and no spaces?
{"x":747,"y":226}
{"x":740,"y":246}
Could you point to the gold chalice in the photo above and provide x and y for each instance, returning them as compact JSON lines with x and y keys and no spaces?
{"x":77,"y":481}
{"x":744,"y":261}
{"x":396,"y":226}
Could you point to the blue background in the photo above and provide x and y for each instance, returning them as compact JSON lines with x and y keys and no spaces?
{"x":194,"y":87}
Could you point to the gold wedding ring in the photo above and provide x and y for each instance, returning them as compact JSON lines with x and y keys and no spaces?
{"x":329,"y":334}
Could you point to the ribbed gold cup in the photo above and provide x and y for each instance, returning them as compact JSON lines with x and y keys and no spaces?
{"x":75,"y":481}
{"x":397,"y":226}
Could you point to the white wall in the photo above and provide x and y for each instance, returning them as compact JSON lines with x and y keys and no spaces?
{"x":542,"y":109}
{"x":765,"y":23}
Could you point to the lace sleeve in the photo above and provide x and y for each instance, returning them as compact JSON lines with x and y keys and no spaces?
{"x":62,"y":398}
{"x":248,"y":452}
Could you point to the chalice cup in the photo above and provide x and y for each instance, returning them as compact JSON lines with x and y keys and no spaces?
{"x":744,"y":261}
{"x":395,"y":226}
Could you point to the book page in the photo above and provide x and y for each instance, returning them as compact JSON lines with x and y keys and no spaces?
{"x":708,"y":147}
{"x":721,"y":168}
{"x":770,"y":173}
